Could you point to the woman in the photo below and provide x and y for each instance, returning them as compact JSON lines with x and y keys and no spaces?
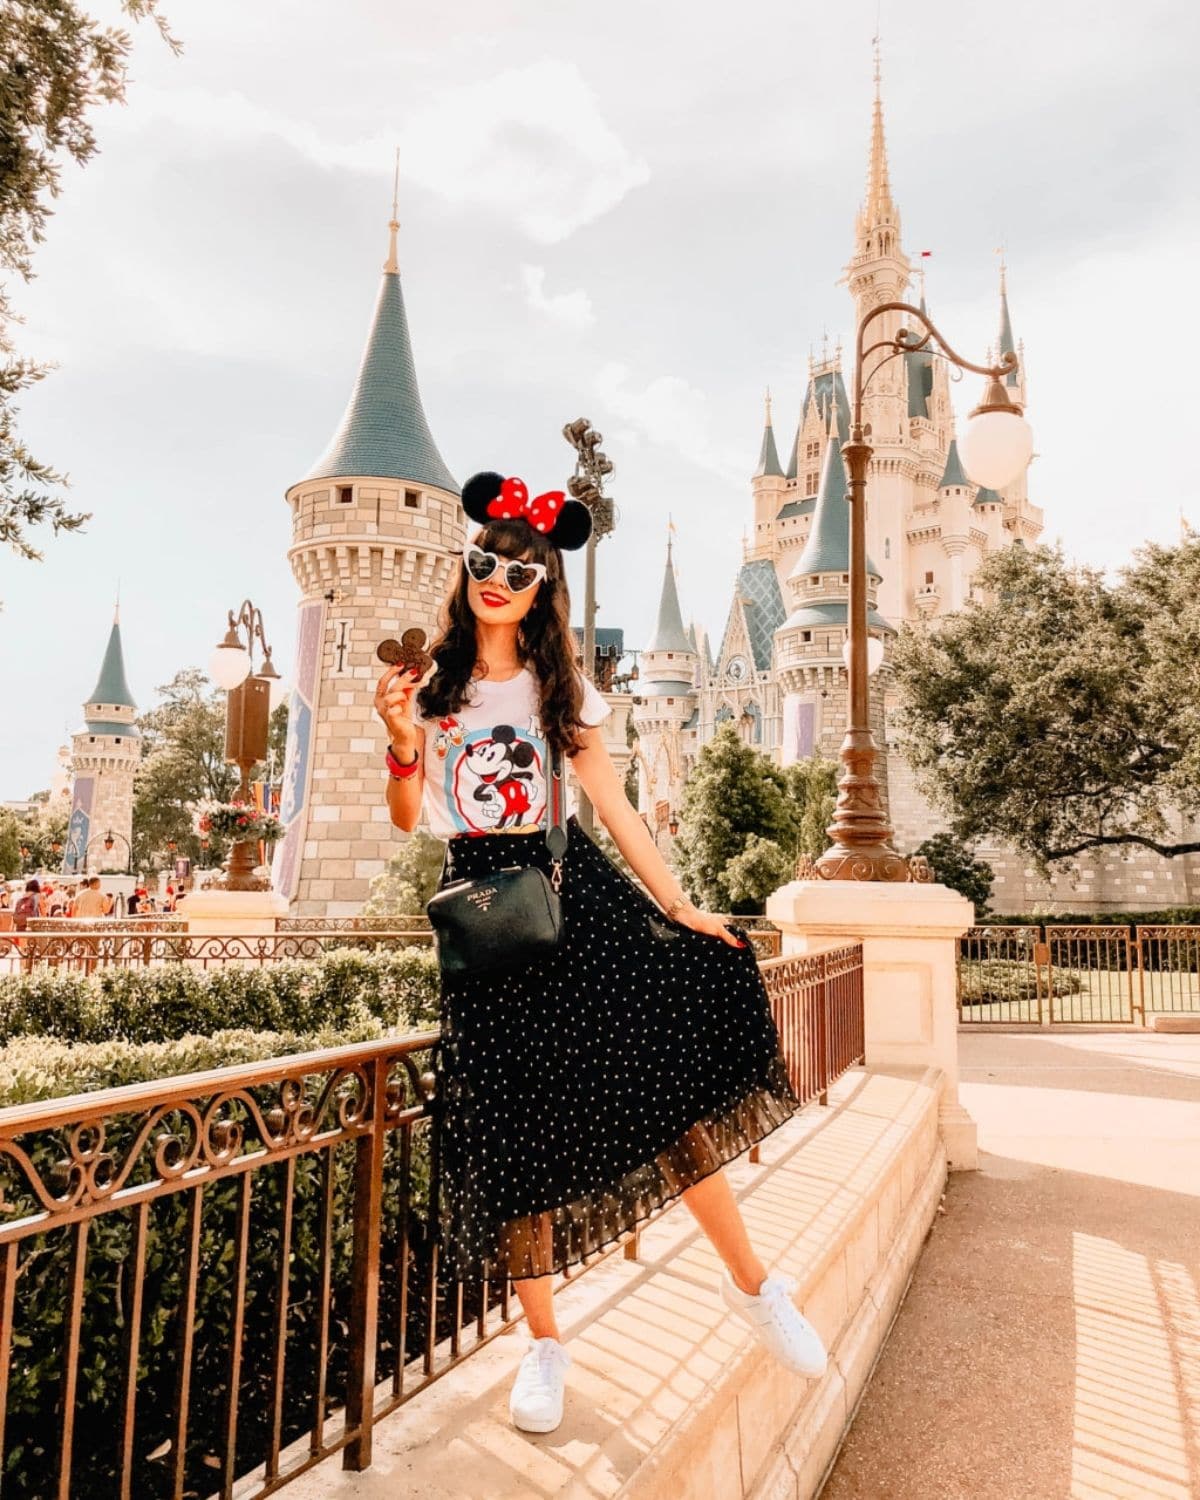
{"x":577,"y":1094}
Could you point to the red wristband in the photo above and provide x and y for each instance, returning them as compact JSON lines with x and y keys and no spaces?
{"x":396,"y":770}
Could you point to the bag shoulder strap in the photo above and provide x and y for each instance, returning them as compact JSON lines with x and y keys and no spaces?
{"x":556,"y":818}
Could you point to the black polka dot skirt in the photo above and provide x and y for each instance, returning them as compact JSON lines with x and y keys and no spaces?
{"x":579,"y":1094}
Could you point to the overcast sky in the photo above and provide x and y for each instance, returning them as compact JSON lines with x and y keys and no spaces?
{"x":632,"y":212}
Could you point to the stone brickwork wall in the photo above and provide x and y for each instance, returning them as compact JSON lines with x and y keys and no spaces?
{"x":386,"y":556}
{"x":110,"y":761}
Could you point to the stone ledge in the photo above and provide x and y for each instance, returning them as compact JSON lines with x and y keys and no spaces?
{"x":669,"y":1397}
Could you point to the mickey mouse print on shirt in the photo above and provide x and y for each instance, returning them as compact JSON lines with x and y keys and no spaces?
{"x":503,"y":775}
{"x":485,"y":765}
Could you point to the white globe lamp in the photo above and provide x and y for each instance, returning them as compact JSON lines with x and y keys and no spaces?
{"x":874,"y":654}
{"x":998,"y":442}
{"x":229,"y":665}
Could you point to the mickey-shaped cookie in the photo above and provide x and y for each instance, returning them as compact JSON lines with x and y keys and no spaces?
{"x":409,"y":652}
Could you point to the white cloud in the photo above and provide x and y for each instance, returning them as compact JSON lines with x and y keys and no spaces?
{"x":675,"y":414}
{"x":574,"y":309}
{"x":530,"y":141}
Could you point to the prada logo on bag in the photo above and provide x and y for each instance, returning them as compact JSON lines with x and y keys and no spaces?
{"x":481,"y":899}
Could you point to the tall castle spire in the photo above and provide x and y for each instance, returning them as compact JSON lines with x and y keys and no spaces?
{"x":669,"y":634}
{"x":1007,"y":346}
{"x":112,"y":686}
{"x":384,"y":433}
{"x":768,"y":458}
{"x":879,"y":211}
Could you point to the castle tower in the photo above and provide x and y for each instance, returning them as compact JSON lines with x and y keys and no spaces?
{"x":809,"y":644}
{"x":769,"y":489}
{"x":664,"y":707}
{"x":104,"y":758}
{"x":375,"y":525}
{"x":878,"y":272}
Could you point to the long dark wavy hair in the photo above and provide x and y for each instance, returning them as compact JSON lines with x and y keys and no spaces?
{"x":544,"y":640}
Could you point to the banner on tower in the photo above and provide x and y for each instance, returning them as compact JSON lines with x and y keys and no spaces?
{"x":297,"y":768}
{"x":75,"y":859}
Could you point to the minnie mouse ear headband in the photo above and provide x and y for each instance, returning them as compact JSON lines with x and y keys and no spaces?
{"x":490,"y":497}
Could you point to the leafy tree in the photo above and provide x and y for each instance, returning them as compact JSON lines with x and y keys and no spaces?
{"x":954,"y":865}
{"x":410,"y":878}
{"x":58,"y":65}
{"x":733,"y":793}
{"x":11,"y":863}
{"x":183,"y":763}
{"x":38,"y":832}
{"x":761,"y":867}
{"x":812,"y":785}
{"x":1057,"y":712}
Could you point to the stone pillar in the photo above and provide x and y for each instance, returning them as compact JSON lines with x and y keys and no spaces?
{"x":910,"y":938}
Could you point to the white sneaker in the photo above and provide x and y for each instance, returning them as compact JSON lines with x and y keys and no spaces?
{"x":776,"y":1322}
{"x":536,"y":1402}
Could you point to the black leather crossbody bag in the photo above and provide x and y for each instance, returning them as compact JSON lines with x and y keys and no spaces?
{"x":512,"y":916}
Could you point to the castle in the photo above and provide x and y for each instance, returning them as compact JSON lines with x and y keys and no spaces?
{"x":779,"y":673}
{"x":104,"y":757}
{"x":376,"y":525}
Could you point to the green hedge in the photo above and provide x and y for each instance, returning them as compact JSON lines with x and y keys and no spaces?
{"x":33,"y":1068}
{"x":176,"y":1000}
{"x":1172,"y":916}
{"x":990,"y":981}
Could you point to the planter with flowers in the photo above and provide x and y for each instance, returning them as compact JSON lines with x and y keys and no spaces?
{"x":246,"y":827}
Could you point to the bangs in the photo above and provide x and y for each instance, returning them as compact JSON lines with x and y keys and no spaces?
{"x":517,"y":539}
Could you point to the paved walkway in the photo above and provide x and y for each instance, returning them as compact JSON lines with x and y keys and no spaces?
{"x":1050,"y":1343}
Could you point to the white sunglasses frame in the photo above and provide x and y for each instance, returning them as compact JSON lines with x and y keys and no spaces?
{"x":538,"y":568}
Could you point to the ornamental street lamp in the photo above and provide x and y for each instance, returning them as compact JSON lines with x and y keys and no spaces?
{"x":997,"y":446}
{"x":109,"y":841}
{"x":673,"y":823}
{"x":250,"y":699}
{"x":592,"y":468}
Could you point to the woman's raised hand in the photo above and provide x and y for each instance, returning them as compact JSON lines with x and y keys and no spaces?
{"x":394,"y":705}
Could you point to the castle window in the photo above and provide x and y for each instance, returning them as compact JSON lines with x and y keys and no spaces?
{"x":812,"y":450}
{"x":810,"y":483}
{"x":412,"y":499}
{"x":845,"y":578}
{"x":816,"y":578}
{"x":806,"y":636}
{"x":928,"y":577}
{"x":345,"y":494}
{"x":887,"y":546}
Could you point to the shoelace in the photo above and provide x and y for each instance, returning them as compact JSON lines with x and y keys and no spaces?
{"x":546,"y":1356}
{"x":779,"y":1284}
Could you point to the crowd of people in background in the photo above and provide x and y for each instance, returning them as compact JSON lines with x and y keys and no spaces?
{"x":83,"y":899}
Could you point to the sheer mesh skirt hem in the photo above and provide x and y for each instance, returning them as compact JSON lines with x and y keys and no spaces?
{"x":544,"y":1242}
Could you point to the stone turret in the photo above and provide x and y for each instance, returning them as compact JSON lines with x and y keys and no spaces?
{"x":104,"y":759}
{"x":769,"y":488}
{"x":664,"y":706}
{"x":808,"y":645}
{"x":376,"y":524}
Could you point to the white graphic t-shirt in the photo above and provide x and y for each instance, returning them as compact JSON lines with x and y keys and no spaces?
{"x":486,"y":766}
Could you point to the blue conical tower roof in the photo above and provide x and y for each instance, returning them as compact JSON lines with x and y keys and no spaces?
{"x":768,"y":458}
{"x":112,"y":686}
{"x":1007,"y":345}
{"x":953,"y":473}
{"x":384,"y":433}
{"x":827,"y":549}
{"x":669,"y":634}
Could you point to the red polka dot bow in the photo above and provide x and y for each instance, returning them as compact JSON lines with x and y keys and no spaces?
{"x":513,"y":502}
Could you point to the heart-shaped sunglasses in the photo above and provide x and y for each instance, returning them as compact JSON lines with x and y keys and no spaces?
{"x":518,"y":576}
